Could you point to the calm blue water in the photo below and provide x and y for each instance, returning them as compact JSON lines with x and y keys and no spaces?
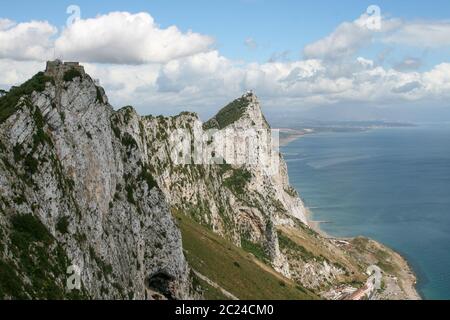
{"x":392,"y":185}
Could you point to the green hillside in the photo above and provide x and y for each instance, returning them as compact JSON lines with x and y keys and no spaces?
{"x":232,"y":268}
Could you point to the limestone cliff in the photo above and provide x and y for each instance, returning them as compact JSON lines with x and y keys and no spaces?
{"x":82,"y":184}
{"x":73,"y":192}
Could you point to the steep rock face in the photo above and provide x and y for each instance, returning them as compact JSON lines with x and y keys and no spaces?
{"x":244,"y":197}
{"x":248,"y":199}
{"x":64,"y":165}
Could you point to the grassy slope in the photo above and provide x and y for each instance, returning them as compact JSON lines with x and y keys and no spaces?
{"x":227,"y":115}
{"x":209,"y":292}
{"x":310,"y":245}
{"x":232,"y":268}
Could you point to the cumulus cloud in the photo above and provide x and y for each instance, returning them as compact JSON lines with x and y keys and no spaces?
{"x":117,"y":37}
{"x":344,"y":41}
{"x":438,"y":79}
{"x":13,"y":72}
{"x":208,"y":80}
{"x":122,"y":37}
{"x":26,"y":41}
{"x":428,"y":34}
{"x":202,"y":73}
{"x":306,"y":82}
{"x":157,"y":68}
{"x":366,"y":63}
{"x":348,"y":38}
{"x":6,"y":24}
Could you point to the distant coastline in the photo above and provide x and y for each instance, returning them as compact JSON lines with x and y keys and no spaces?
{"x":291,"y":133}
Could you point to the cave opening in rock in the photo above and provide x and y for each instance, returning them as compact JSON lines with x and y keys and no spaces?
{"x":161,"y":282}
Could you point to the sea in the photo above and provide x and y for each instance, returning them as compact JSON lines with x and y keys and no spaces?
{"x":389,"y":184}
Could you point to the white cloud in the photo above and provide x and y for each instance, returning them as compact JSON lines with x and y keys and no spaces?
{"x":207,"y":80}
{"x":366,"y":63}
{"x":437,"y":80}
{"x":6,"y":24}
{"x":125,"y":38}
{"x":428,"y":34}
{"x":26,"y":41}
{"x":348,"y":38}
{"x":204,"y":72}
{"x":159,"y":69}
{"x":14,"y":72}
{"x":125,"y":83}
{"x":345,"y":41}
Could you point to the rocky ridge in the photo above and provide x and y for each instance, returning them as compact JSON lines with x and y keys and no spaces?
{"x":102,"y":185}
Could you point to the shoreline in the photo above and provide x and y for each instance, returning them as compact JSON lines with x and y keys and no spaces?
{"x":292,"y":136}
{"x":408,"y":275}
{"x":314,"y":224}
{"x":295,"y":134}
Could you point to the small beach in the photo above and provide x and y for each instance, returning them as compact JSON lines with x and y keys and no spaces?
{"x":315,"y":225}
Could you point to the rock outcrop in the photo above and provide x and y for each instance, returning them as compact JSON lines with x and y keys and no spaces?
{"x":65,"y":168}
{"x":241,"y":198}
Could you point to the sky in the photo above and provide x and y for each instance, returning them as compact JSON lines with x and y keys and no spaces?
{"x":344,"y":60}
